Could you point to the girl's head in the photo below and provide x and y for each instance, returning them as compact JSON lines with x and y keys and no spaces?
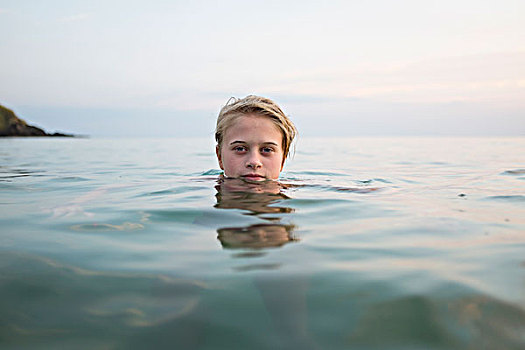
{"x":253,"y":138}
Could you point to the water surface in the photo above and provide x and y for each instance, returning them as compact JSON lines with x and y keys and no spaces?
{"x":366,"y":243}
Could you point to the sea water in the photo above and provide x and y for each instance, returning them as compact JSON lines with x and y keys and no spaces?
{"x":368,"y":243}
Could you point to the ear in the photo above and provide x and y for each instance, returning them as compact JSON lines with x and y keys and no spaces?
{"x":219,"y":158}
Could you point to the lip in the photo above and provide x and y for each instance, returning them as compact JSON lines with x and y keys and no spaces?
{"x":255,"y":177}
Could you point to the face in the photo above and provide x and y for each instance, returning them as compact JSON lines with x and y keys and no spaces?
{"x":252,"y":149}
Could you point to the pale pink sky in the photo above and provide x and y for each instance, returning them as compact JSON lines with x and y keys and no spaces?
{"x":365,"y":67}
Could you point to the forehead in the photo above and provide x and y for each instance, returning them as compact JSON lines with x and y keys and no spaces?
{"x":253,"y":127}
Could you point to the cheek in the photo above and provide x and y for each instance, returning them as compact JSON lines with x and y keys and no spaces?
{"x":230,"y":160}
{"x":276,"y":164}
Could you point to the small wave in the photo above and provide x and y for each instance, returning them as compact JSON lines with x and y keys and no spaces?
{"x":13,"y":176}
{"x":101,"y":227}
{"x":325,"y":205}
{"x":171,"y":191}
{"x":255,"y":267}
{"x":11,"y":173}
{"x":370,"y":181}
{"x":318,"y":173}
{"x":514,"y":172}
{"x":159,"y":193}
{"x":354,"y":190}
{"x":69,"y":179}
{"x":382,"y":180}
{"x":331,"y":188}
{"x":176,"y":213}
{"x":8,"y":170}
{"x":365,"y":182}
{"x":211,"y":172}
{"x":511,"y":198}
{"x":249,"y":254}
{"x":170,"y":173}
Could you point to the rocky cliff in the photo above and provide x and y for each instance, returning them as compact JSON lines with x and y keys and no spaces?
{"x":11,"y":125}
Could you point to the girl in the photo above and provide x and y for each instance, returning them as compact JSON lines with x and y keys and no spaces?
{"x":253,"y":139}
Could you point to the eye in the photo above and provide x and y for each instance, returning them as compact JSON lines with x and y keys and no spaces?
{"x":266,"y":150}
{"x":239,"y":149}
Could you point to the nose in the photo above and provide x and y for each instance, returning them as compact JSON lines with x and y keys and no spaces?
{"x":253,"y":161}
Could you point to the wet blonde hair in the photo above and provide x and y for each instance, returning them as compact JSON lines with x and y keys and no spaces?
{"x":260,"y":106}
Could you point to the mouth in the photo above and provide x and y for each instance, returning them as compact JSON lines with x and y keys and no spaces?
{"x":253,"y":177}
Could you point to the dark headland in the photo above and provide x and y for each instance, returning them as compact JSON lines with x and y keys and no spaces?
{"x":11,"y":125}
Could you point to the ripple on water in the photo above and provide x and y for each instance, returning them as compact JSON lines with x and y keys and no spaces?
{"x":509,"y":198}
{"x":202,"y":217}
{"x":363,"y":187}
{"x":317,"y":173}
{"x":61,"y":179}
{"x":336,"y":211}
{"x":305,"y":203}
{"x":174,"y":190}
{"x":102,"y":227}
{"x":211,"y":172}
{"x":92,"y":308}
{"x":6,"y":173}
{"x":485,"y":323}
{"x":514,"y":172}
{"x":371,"y":181}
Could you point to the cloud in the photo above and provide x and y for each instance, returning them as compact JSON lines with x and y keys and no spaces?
{"x":496,"y":77}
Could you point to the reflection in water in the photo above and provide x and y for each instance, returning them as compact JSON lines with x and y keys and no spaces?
{"x":256,"y":236}
{"x":254,"y":197}
{"x":258,"y":199}
{"x":284,"y":299}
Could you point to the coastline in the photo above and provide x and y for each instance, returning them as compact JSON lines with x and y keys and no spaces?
{"x":13,"y":126}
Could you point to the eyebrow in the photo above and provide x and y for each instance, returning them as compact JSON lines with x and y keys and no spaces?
{"x":244,"y":142}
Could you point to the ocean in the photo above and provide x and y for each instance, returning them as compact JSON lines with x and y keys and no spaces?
{"x":365,"y":243}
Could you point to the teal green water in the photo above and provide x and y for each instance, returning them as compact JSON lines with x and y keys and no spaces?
{"x":370,"y":243}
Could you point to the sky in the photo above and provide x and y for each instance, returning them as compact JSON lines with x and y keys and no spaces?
{"x":338,"y":68}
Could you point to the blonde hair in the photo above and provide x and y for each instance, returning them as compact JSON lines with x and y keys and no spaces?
{"x":260,"y":106}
